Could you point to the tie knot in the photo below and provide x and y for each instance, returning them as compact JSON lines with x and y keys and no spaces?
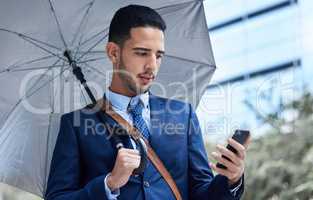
{"x":135,"y":108}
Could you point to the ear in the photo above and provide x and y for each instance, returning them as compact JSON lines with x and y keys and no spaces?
{"x":113,"y":51}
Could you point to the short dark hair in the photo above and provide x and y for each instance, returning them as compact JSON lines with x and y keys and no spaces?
{"x":133,"y":16}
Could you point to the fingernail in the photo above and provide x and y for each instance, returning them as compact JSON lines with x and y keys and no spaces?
{"x":214,"y":154}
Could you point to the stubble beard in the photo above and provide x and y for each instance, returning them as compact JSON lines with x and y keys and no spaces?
{"x":129,"y":80}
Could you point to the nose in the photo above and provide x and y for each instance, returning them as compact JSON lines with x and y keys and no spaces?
{"x":152,"y":62}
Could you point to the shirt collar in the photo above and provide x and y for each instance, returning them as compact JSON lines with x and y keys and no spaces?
{"x":121,"y":102}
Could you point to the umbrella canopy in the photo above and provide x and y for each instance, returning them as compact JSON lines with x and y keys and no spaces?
{"x":37,"y":85}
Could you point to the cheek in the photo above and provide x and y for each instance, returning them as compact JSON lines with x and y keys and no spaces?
{"x":158,"y":66}
{"x":133,"y":64}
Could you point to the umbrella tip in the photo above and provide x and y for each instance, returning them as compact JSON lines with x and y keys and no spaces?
{"x":67,"y":54}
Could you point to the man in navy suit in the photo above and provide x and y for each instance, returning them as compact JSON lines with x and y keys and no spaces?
{"x":85,"y":166}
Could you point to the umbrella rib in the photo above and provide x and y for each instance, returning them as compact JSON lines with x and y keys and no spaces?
{"x":94,"y":36}
{"x":62,"y":90}
{"x":90,"y":52}
{"x":20,"y":100}
{"x":36,"y":68}
{"x":14,"y":66}
{"x":58,"y":23}
{"x":92,"y":60}
{"x":173,"y":5}
{"x":42,"y":75}
{"x":89,"y":66}
{"x":23,"y":36}
{"x":53,"y":96}
{"x":44,"y":49}
{"x":91,"y":38}
{"x":47,"y":145}
{"x":188,"y":60}
{"x":83,"y":94}
{"x":29,"y":95}
{"x":36,"y":60}
{"x":93,"y":46}
{"x":84,"y":19}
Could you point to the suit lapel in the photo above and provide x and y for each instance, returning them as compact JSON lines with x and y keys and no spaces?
{"x":157,"y":116}
{"x":156,"y":119}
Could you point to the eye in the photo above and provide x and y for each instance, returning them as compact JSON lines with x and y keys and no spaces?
{"x":141,"y":53}
{"x":159,"y":56}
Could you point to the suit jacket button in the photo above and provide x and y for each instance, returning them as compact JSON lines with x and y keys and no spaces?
{"x":146,"y":184}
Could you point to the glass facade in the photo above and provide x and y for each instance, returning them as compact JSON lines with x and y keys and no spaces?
{"x":263,"y":52}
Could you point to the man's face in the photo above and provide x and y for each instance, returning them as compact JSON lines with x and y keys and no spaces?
{"x":139,"y":60}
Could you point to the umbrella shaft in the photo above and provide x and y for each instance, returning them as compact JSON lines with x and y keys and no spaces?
{"x":79,"y":75}
{"x":92,"y":98}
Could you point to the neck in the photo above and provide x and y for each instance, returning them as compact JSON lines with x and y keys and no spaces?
{"x":118,"y":87}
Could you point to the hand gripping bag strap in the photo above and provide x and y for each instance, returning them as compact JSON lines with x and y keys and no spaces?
{"x":135,"y":134}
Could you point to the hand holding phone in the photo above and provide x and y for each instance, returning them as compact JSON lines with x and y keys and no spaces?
{"x":241,"y":136}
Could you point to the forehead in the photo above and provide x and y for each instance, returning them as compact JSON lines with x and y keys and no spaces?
{"x":147,"y":37}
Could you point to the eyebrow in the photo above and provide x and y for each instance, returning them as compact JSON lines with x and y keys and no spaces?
{"x":145,"y":49}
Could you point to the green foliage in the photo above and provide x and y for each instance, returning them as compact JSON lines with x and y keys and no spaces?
{"x":279,"y":166}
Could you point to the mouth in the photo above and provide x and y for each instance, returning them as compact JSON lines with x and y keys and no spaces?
{"x":146,"y":78}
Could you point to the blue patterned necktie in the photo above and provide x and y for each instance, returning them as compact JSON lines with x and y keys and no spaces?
{"x":138,"y":121}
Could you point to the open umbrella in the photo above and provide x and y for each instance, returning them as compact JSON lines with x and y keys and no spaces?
{"x":36,"y":80}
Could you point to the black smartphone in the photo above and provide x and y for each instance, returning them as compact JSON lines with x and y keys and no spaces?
{"x":241,"y":137}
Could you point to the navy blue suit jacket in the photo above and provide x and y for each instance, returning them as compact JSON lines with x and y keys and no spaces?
{"x":83,"y":156}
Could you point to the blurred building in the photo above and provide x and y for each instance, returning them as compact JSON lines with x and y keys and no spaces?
{"x":263,"y":52}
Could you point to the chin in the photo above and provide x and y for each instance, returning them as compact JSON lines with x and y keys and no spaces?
{"x":143,"y":89}
{"x":139,"y":88}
